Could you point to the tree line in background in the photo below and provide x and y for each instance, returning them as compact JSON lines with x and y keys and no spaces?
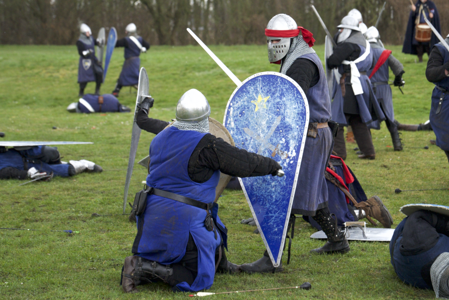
{"x":164,"y":22}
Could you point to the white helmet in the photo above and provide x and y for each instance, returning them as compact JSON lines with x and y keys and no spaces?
{"x":131,"y":28}
{"x":356,"y":14}
{"x":348,"y":24}
{"x":372,"y":34}
{"x":84,"y":29}
{"x":279,"y":50}
{"x":363,"y":28}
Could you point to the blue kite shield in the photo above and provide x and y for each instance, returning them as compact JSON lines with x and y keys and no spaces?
{"x":112,"y":39}
{"x":269,"y":114}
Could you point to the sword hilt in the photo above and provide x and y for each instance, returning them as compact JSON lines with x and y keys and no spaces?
{"x":280,"y":173}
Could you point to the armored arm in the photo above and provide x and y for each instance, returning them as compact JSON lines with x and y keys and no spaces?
{"x":436,"y":68}
{"x":121,"y":43}
{"x":345,"y":51}
{"x":213,"y":154}
{"x":395,"y":65}
{"x":144,"y":122}
{"x":82,"y":51}
{"x":305,"y":73}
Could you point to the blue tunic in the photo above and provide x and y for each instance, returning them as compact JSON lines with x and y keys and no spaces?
{"x":408,"y":268}
{"x":130,"y":70}
{"x":311,"y":191}
{"x":85,"y":65}
{"x":383,"y":90}
{"x":110,"y":104}
{"x":440,"y":121}
{"x":364,"y":101}
{"x":17,"y":159}
{"x":166,"y":223}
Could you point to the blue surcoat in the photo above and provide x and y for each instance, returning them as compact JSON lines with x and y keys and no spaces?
{"x":409,"y":267}
{"x":364,"y":101}
{"x":130,"y":70}
{"x":166,"y":223}
{"x":110,"y":104}
{"x":440,"y":121}
{"x":26,"y":159}
{"x":382,"y":89}
{"x":311,"y":192}
{"x":86,"y":65}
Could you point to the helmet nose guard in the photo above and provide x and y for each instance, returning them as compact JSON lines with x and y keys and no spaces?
{"x":192,"y":107}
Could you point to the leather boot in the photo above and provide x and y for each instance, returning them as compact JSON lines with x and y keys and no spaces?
{"x":225,"y":266}
{"x":406,"y":127}
{"x":262,"y":265}
{"x":397,"y":145}
{"x":336,"y":239}
{"x":128,"y":284}
{"x":375,"y":208}
{"x":148,"y":270}
{"x":426,"y":126}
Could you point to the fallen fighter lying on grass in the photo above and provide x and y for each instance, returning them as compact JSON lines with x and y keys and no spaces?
{"x":39,"y":162}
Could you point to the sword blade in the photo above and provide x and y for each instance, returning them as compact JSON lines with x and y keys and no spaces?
{"x":380,"y":14}
{"x":437,"y":34}
{"x":216,"y":59}
{"x":324,"y":25}
{"x":132,"y":156}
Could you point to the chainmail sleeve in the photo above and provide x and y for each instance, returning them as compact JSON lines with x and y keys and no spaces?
{"x":395,"y":65}
{"x":213,"y":154}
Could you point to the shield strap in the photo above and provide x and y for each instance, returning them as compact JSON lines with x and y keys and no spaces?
{"x":382,"y":59}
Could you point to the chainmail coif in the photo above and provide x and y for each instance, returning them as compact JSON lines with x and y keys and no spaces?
{"x":201,"y":126}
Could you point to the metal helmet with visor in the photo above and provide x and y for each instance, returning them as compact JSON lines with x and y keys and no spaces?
{"x":277,"y":51}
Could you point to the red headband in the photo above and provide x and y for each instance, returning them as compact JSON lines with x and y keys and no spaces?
{"x":306,"y":35}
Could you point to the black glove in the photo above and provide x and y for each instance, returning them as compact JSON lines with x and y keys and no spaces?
{"x":398,"y":81}
{"x":276,"y":168}
{"x":146,"y":104}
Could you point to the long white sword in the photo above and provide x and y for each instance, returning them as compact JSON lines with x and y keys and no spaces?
{"x":437,"y":34}
{"x":216,"y":59}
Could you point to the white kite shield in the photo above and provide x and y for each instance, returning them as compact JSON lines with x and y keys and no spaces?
{"x":436,"y":208}
{"x":269,"y":115}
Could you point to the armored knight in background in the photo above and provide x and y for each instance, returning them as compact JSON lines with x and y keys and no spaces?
{"x":291,"y":46}
{"x":356,"y":105}
{"x":90,"y":103}
{"x":379,"y":76}
{"x":89,"y":69}
{"x":437,"y":72}
{"x":134,"y":45}
{"x":180,"y":238}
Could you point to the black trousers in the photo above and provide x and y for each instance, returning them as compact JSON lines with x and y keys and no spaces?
{"x":362,"y":135}
{"x":187,"y":269}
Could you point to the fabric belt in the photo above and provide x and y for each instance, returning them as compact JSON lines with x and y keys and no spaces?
{"x":180,"y":198}
{"x":313,"y":128}
{"x":444,"y":92}
{"x":379,"y":83}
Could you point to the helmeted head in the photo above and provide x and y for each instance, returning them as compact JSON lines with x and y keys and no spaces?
{"x":355,"y":13}
{"x":84,"y":29}
{"x":279,"y":45}
{"x":439,"y":274}
{"x":363,"y":28}
{"x":348,"y":24}
{"x":131,"y":28}
{"x":192,"y":112}
{"x":372,"y":34}
{"x":73,"y":107}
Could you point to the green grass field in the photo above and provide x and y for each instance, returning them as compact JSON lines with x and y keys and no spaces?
{"x":37,"y":83}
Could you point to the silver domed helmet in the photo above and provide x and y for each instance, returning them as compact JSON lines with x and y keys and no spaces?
{"x":131,"y":28}
{"x":277,"y":51}
{"x":348,"y":24}
{"x":73,"y":107}
{"x":355,"y":13}
{"x":85,"y":29}
{"x":192,"y":112}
